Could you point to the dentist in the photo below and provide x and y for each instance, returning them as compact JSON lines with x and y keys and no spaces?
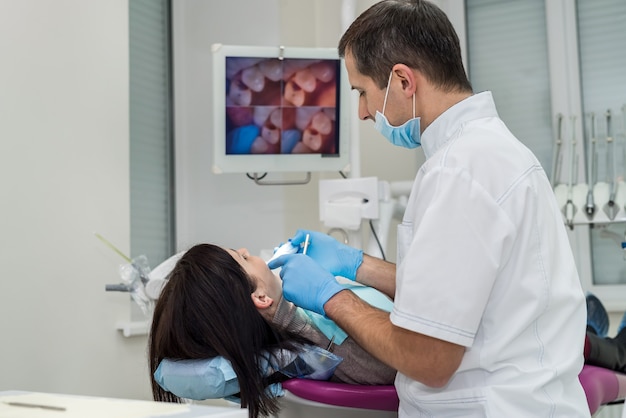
{"x":489,"y":314}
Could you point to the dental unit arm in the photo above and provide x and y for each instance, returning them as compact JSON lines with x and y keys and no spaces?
{"x":143,"y":284}
{"x":135,"y":276}
{"x":345,"y":203}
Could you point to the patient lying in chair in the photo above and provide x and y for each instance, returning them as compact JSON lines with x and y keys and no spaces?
{"x":226,"y":303}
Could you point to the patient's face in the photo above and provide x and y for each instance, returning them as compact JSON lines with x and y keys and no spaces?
{"x":256,"y":268}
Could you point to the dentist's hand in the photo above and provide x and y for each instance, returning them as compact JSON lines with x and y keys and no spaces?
{"x":337,"y":258}
{"x":306,"y":283}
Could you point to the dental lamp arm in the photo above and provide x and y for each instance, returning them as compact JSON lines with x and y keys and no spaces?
{"x":372,"y":329}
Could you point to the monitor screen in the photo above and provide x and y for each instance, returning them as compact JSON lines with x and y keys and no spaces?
{"x":279,"y":109}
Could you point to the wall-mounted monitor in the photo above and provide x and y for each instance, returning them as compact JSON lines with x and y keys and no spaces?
{"x":279,"y":109}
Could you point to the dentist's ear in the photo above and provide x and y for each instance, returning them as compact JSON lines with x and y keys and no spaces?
{"x":407,"y":77}
{"x":261,"y":300}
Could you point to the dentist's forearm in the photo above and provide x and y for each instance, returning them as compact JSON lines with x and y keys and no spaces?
{"x":378,"y":274}
{"x":422,"y":358}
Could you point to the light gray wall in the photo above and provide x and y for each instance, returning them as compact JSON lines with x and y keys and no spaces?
{"x":230,"y":209}
{"x":63,"y":176}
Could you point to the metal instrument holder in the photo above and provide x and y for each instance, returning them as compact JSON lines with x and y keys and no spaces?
{"x":593,"y":200}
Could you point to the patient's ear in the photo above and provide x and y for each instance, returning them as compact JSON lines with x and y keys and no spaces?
{"x":261,"y":300}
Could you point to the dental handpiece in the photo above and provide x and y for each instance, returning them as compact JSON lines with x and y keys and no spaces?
{"x":286,"y":248}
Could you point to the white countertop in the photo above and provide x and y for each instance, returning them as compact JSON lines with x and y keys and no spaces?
{"x":20,"y":404}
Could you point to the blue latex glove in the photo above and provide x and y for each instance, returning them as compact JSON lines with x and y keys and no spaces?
{"x":306,"y":283}
{"x":337,"y":258}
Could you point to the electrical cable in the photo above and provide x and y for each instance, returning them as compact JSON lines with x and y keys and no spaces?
{"x":380,"y":247}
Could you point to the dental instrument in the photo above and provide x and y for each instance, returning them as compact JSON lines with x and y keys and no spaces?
{"x":330,"y":344}
{"x":289,"y":248}
{"x":286,"y":248}
{"x":306,"y":243}
{"x":590,"y":207}
{"x":610,"y":208}
{"x":556,"y":154}
{"x":569,"y":210}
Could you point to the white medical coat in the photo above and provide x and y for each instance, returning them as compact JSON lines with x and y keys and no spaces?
{"x":484,"y":262}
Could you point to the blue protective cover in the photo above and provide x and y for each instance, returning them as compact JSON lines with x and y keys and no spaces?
{"x":198,"y":379}
{"x":215,"y":378}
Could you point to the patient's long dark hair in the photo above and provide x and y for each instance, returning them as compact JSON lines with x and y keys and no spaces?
{"x":205,"y":310}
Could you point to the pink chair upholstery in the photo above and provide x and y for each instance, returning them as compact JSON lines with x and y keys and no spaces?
{"x":602,"y":386}
{"x":379,"y":398}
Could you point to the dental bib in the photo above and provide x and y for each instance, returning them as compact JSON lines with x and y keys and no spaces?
{"x":330,"y":329}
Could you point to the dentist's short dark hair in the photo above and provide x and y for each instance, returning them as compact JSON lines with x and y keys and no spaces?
{"x":412,"y":32}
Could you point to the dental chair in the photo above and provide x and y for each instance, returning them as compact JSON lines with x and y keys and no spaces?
{"x":602,"y":387}
{"x":378,"y":398}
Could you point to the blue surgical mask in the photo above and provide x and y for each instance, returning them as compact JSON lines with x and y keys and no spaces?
{"x":406,"y":135}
